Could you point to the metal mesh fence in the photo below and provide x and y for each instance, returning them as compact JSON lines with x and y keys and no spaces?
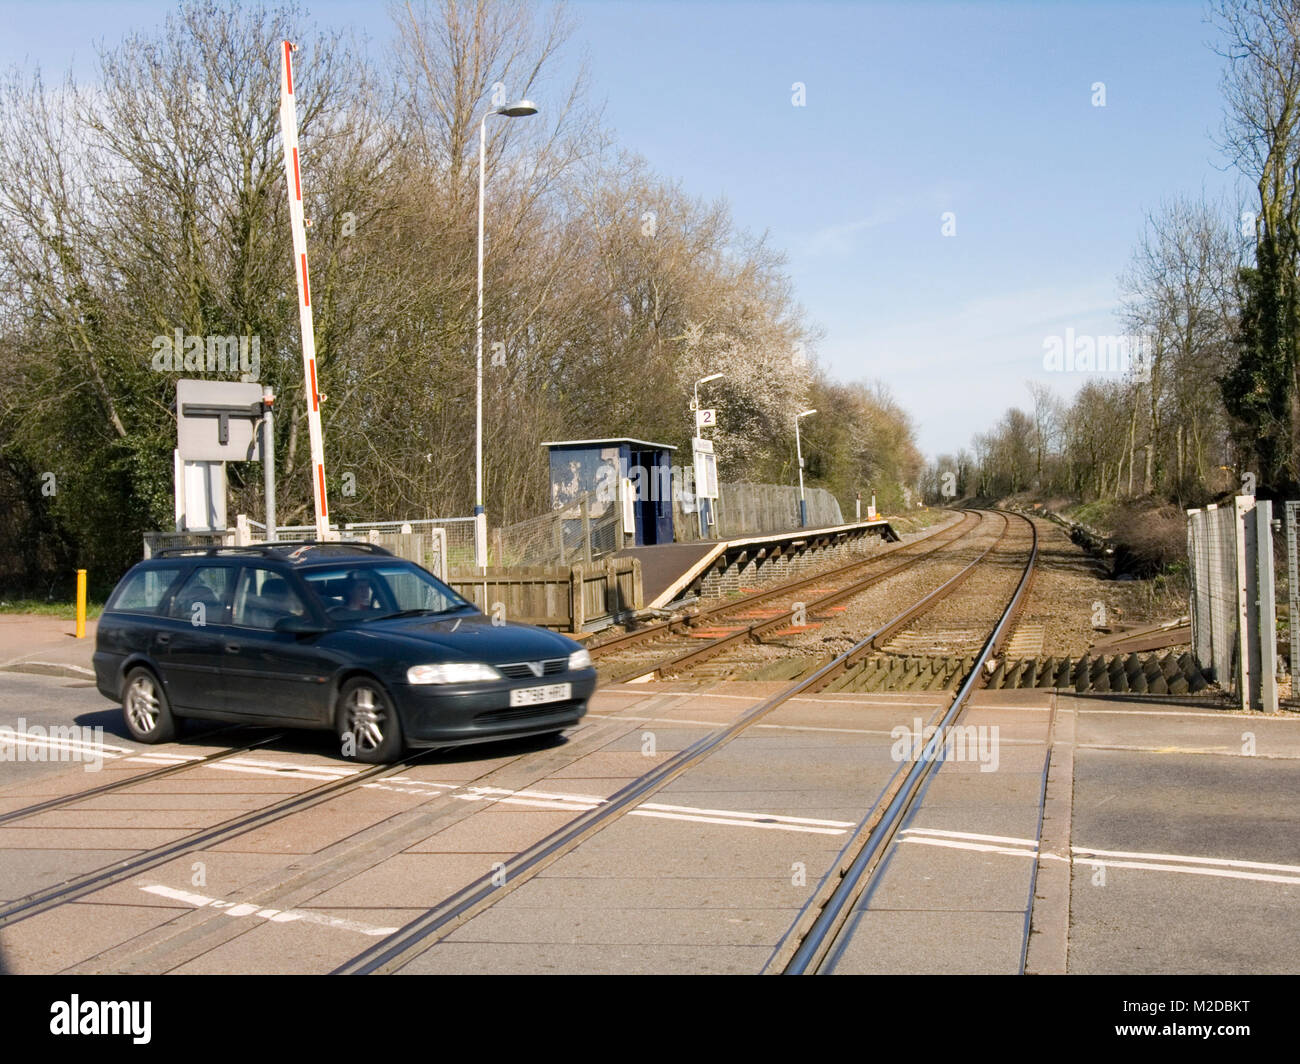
{"x":583,"y":529}
{"x":414,"y":537}
{"x":1290,"y":573}
{"x":458,"y":530}
{"x":754,"y":509}
{"x":1212,"y":551}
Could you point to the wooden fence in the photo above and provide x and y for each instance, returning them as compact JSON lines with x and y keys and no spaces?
{"x":571,"y":598}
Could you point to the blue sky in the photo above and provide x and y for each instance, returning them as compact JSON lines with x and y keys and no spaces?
{"x":912,"y":110}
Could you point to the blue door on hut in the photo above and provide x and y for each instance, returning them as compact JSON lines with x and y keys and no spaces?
{"x":653,"y":508}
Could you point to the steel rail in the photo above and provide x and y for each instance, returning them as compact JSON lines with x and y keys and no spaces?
{"x":664,"y":628}
{"x":1038,"y":841}
{"x":753,"y":632}
{"x":815,"y":931}
{"x":143,"y":777}
{"x":427,"y":929}
{"x":79,"y":886}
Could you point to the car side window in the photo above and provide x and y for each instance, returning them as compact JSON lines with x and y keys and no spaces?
{"x":263,"y":598}
{"x":143,"y":591}
{"x":412,"y":593}
{"x":202,"y":598}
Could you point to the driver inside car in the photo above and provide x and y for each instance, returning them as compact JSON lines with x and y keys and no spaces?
{"x":357,"y":594}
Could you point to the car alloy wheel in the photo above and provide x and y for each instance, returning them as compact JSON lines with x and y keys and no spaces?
{"x":367,"y":715}
{"x":145,"y":708}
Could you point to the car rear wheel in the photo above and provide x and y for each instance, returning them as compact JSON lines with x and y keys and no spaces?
{"x":145,"y":708}
{"x":367,"y":723}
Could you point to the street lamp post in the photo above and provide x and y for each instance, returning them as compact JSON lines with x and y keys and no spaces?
{"x":798,"y":447}
{"x":702,"y":505}
{"x":518,"y":109}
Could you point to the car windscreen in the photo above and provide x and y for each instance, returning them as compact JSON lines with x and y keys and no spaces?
{"x":372,"y":592}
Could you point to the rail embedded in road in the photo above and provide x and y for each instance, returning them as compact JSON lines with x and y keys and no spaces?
{"x":425,"y":931}
{"x":815,"y":931}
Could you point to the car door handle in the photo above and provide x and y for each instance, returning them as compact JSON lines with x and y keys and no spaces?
{"x":232,"y":648}
{"x":163,"y":639}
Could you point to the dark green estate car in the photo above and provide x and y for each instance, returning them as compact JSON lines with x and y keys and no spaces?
{"x":328,"y":635}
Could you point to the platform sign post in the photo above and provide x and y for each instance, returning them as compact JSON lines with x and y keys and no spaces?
{"x":706,"y":481}
{"x":293,"y":178}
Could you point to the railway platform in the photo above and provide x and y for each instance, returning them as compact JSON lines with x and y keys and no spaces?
{"x":671,"y":572}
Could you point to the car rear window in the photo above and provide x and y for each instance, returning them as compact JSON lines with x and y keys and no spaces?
{"x":143,"y":590}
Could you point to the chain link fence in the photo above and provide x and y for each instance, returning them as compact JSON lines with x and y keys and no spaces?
{"x":585,"y":529}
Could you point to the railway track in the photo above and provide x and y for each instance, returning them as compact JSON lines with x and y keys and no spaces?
{"x":77,"y":887}
{"x":135,"y":780}
{"x":677,"y":646}
{"x":813,"y":936}
{"x":418,"y":936}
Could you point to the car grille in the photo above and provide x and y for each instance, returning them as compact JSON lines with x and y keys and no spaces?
{"x":539,"y":712}
{"x":524,"y":670}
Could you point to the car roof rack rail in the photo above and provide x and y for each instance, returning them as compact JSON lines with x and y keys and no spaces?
{"x":292,"y":549}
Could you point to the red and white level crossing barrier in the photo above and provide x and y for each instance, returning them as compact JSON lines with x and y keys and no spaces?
{"x":293,"y":178}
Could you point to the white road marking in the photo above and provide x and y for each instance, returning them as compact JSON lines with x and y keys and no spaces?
{"x":737,"y":823}
{"x":165,"y":758}
{"x":784,"y":727}
{"x":1227,"y":714}
{"x":956,"y":844}
{"x":756,"y":699}
{"x":726,"y":723}
{"x":9,"y":737}
{"x":751,"y":816}
{"x":1220,"y":873}
{"x":275,"y":916}
{"x":337,"y":770}
{"x":581,"y":803}
{"x":1189,"y":750}
{"x":420,"y":783}
{"x":1293,"y":869}
{"x":971,"y":836}
{"x":1218,"y":867}
{"x":281,"y":768}
{"x":253,"y":770}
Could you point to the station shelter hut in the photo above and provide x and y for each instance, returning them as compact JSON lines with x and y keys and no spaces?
{"x":618,"y":471}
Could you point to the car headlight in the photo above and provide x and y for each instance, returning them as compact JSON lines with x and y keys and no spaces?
{"x":580,"y":659}
{"x":452,"y":672}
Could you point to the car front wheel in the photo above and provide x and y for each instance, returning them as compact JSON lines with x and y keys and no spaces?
{"x":367,"y":723}
{"x":145,"y":708}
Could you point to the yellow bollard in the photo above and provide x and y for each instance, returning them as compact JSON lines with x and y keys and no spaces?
{"x":81,"y":603}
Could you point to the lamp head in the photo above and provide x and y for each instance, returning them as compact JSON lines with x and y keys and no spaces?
{"x":518,"y":109}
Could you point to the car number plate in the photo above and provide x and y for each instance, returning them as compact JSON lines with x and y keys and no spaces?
{"x":535,"y":696}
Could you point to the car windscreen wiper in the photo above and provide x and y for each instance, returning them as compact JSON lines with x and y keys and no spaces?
{"x":423,"y":612}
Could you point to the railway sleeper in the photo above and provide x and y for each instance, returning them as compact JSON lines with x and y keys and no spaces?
{"x":1170,"y":673}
